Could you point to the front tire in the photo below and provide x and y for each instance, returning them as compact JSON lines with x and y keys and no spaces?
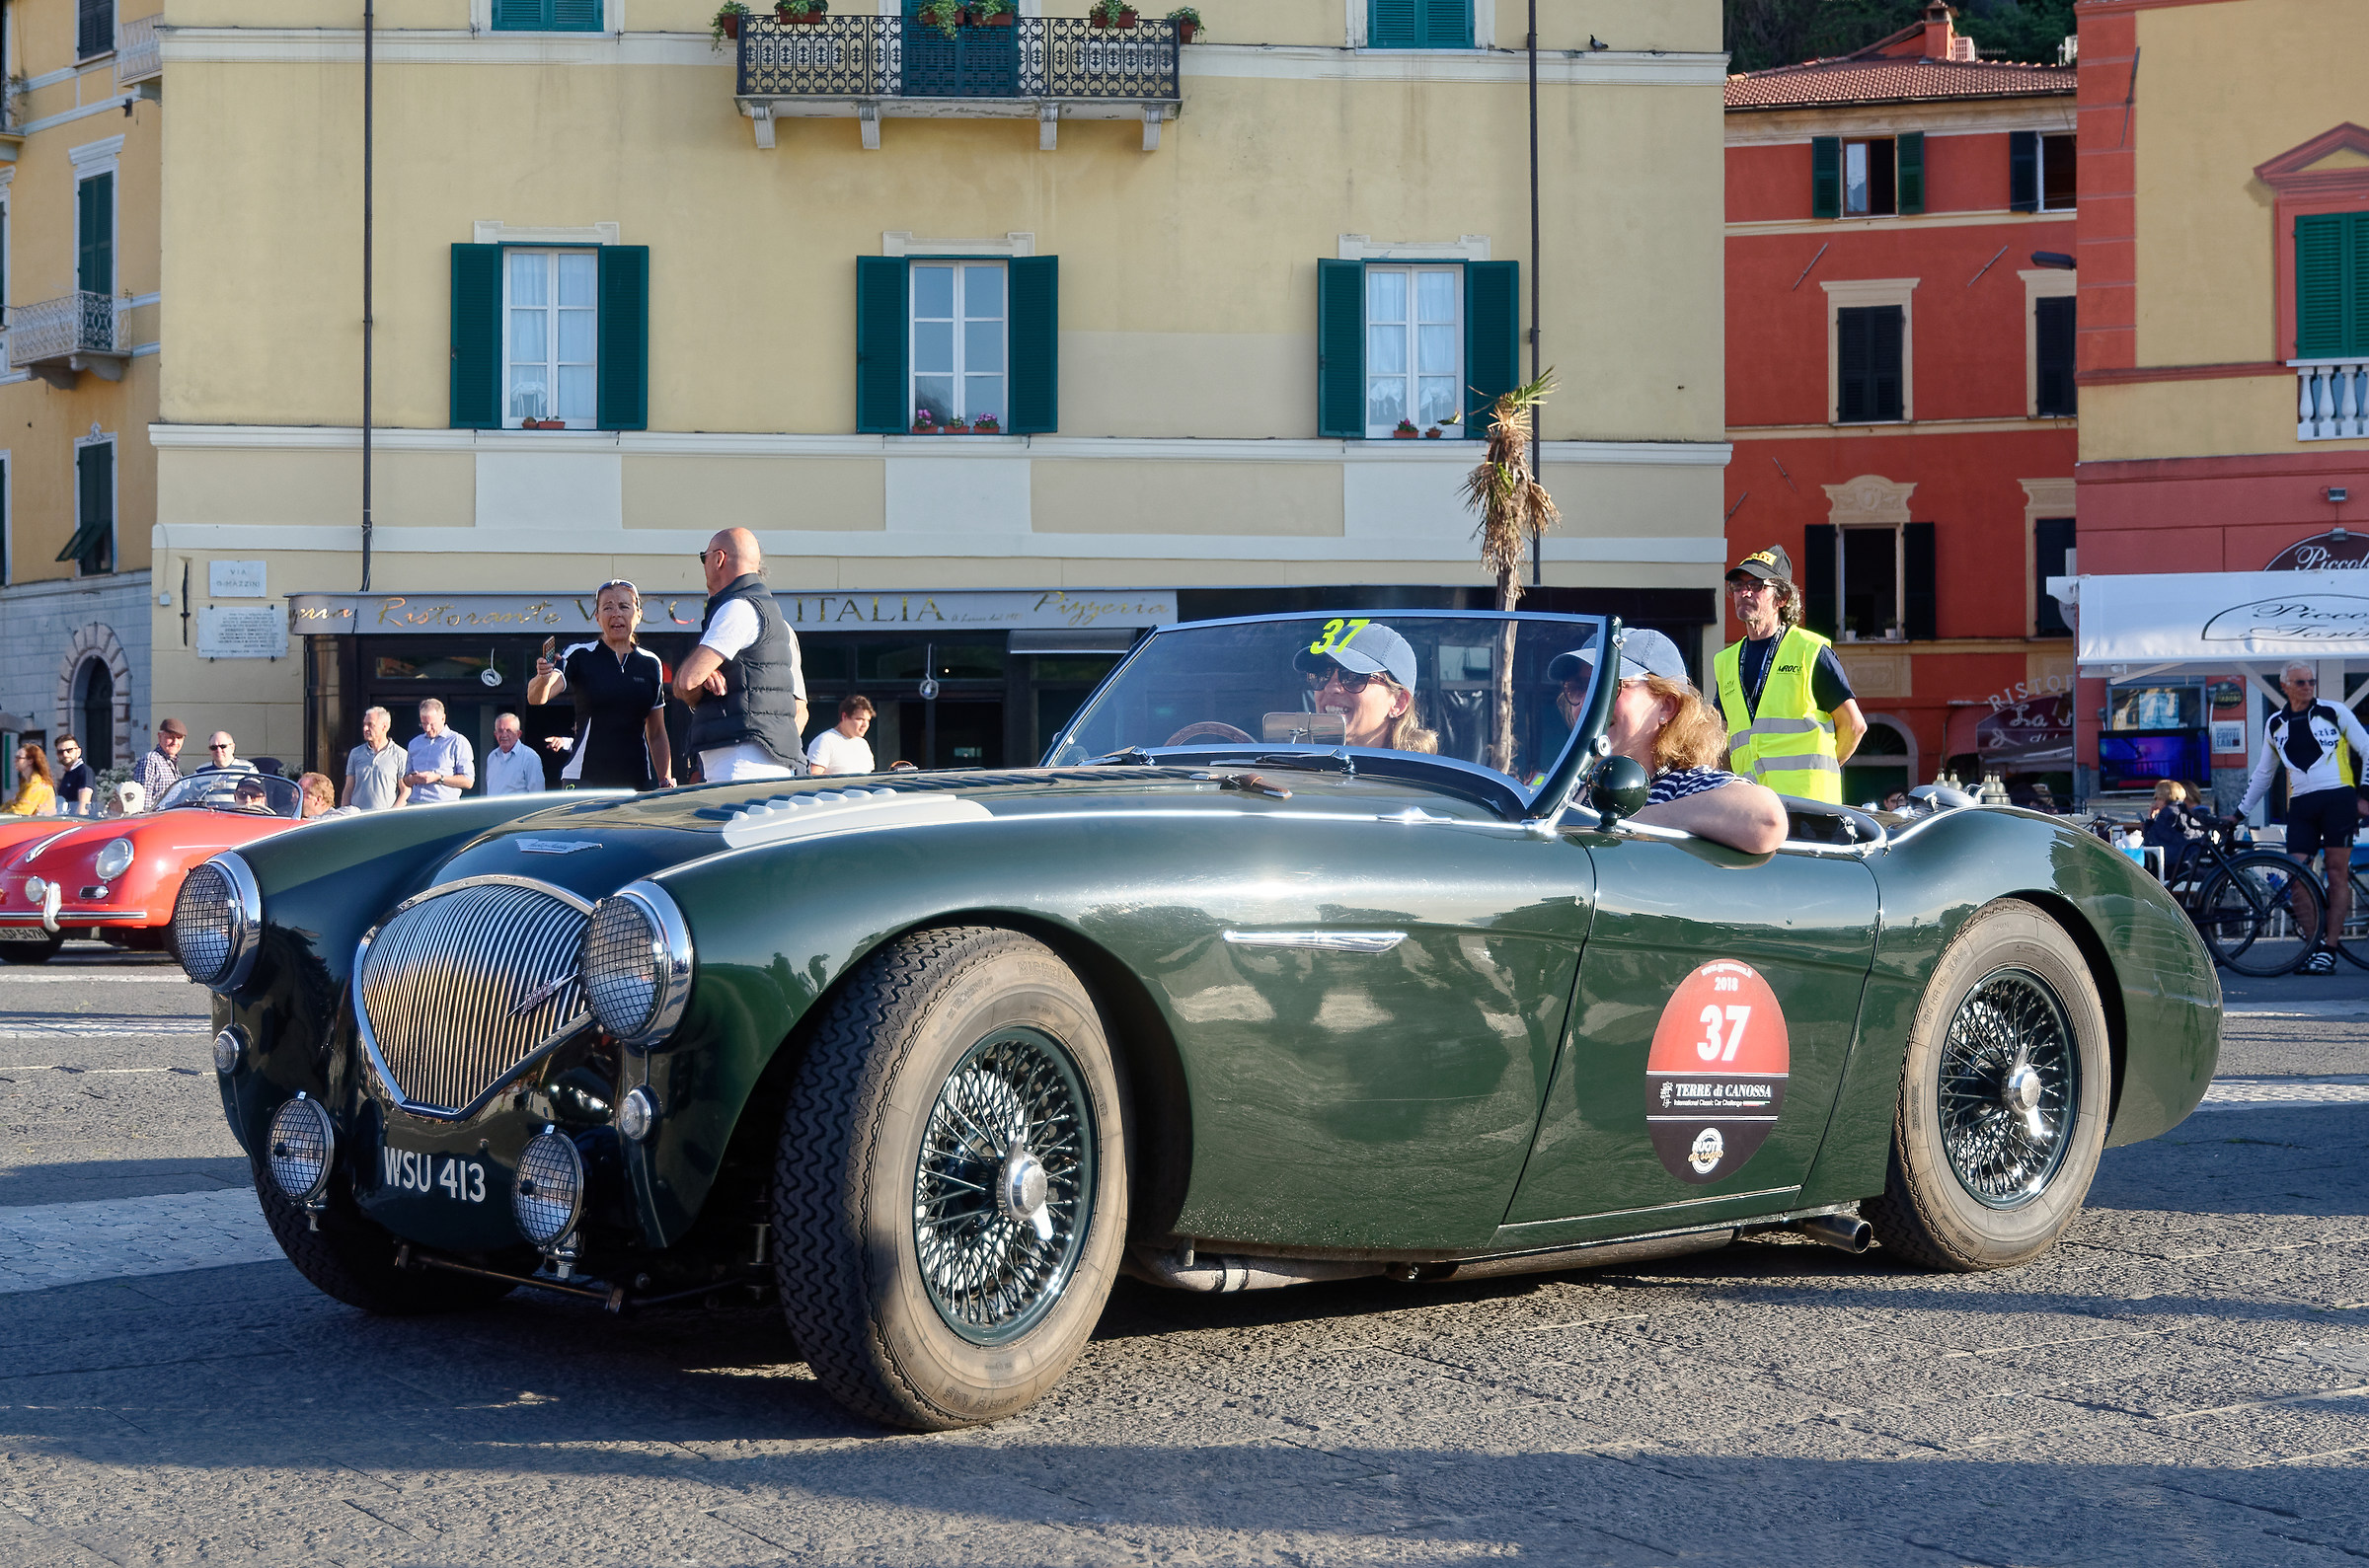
{"x":2003,"y":1098}
{"x":951,"y":1194}
{"x":352,"y":1258}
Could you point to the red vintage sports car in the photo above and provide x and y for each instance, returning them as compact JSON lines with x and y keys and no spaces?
{"x":115,"y":878}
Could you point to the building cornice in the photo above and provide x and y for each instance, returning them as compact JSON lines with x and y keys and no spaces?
{"x":1768,"y":127}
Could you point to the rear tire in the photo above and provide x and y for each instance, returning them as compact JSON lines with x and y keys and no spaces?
{"x":352,"y":1258}
{"x":923,"y":1296}
{"x":1989,"y":1168}
{"x":32,"y":952}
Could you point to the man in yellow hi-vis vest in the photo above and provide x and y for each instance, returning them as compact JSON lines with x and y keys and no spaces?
{"x":1793,"y":720}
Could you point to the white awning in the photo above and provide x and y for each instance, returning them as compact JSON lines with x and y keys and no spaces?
{"x":2147,"y":625}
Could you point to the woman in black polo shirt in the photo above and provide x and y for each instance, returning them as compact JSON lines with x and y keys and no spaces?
{"x":618,"y":689}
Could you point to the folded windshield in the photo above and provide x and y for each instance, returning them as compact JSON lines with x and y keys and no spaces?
{"x":1419,"y":684}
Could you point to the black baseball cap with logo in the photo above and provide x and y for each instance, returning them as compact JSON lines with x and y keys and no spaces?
{"x":1772,"y":565}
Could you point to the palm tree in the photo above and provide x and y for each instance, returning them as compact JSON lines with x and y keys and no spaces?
{"x":1514,"y":509}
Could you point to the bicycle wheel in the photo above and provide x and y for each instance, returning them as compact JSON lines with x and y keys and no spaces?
{"x":2261,"y":914}
{"x":2356,"y":924}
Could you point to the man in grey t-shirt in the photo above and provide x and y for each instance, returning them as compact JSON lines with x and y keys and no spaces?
{"x":374,"y":769}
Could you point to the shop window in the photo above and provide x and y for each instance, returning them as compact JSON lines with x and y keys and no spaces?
{"x":1419,"y":23}
{"x":1432,"y":344}
{"x":958,"y":337}
{"x":542,"y":333}
{"x":2051,"y":556}
{"x":2041,"y":171}
{"x":1873,"y":176}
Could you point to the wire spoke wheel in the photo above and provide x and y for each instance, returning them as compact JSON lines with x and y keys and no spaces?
{"x":2009,"y":1078}
{"x":1004,"y":1185}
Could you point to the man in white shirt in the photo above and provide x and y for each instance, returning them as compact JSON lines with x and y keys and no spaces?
{"x":842,"y":748}
{"x":511,"y":768}
{"x":744,"y":684}
{"x":374,"y":769}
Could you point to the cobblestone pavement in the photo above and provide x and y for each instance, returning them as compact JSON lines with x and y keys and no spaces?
{"x":2185,"y":1380}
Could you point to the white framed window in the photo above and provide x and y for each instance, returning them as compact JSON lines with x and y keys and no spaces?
{"x":961,"y":341}
{"x":1870,"y":585}
{"x":551,"y":336}
{"x":1414,"y":347}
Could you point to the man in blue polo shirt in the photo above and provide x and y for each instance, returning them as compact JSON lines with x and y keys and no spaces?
{"x":442,"y":763}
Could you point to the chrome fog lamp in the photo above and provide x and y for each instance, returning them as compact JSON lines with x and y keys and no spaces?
{"x":548,"y":1197}
{"x":35,"y":889}
{"x":218,"y":922}
{"x":302,"y":1143}
{"x":114,"y":859}
{"x":230,"y":1049}
{"x":636,"y":963}
{"x":637,"y":1114}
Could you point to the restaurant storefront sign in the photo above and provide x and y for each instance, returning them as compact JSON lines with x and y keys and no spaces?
{"x":571,"y":614}
{"x":2337,"y":549}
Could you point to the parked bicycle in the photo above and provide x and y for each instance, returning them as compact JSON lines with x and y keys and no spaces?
{"x":2259,"y":911}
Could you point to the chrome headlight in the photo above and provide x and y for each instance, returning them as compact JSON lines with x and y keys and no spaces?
{"x":218,"y":922}
{"x":35,"y":889}
{"x":301,"y":1146}
{"x":548,"y":1197}
{"x":114,"y":859}
{"x":635,"y":964}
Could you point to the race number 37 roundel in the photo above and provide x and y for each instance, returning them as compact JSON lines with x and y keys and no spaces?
{"x":1714,"y":1081}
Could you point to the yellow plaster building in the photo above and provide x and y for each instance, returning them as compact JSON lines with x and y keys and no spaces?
{"x":80,"y":143}
{"x":632,"y":287}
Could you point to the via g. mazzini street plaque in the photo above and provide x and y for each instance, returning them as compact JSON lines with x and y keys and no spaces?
{"x":236,"y":579}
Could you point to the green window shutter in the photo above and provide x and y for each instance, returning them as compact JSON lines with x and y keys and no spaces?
{"x":476,"y":337}
{"x":1887,"y":380}
{"x":1819,"y":610}
{"x":574,"y":15}
{"x":94,"y":233}
{"x":2356,"y":281}
{"x":93,"y":545}
{"x":2319,"y":285}
{"x":1341,"y":348}
{"x":1035,"y":327}
{"x":2052,"y":336}
{"x":1447,"y":24}
{"x":1493,"y":338}
{"x":2051,"y":541}
{"x":884,"y":322}
{"x":1911,"y":172}
{"x":622,"y":400}
{"x":1851,"y":399}
{"x":2024,"y":171}
{"x":1919,"y":619}
{"x":1394,"y":23}
{"x":523,"y":16}
{"x":1825,"y":176}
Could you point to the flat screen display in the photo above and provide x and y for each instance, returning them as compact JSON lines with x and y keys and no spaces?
{"x":2140,"y":760}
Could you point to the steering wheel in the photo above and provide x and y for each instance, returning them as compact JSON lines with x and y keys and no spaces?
{"x":1207,"y":729}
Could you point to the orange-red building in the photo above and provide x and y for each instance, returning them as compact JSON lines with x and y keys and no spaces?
{"x":1901,"y":386}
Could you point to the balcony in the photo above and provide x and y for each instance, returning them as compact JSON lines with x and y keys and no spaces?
{"x":140,"y":58}
{"x":2332,"y":399}
{"x":866,"y":68}
{"x":60,"y":339}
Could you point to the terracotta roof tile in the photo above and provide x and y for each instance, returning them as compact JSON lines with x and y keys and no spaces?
{"x":1894,"y":81}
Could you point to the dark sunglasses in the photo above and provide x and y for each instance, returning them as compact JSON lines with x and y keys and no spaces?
{"x":1349,"y":680}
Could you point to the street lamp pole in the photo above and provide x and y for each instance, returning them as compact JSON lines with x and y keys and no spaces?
{"x":369,"y":108}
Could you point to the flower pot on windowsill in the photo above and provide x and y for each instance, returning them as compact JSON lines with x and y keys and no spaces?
{"x":1405,"y":433}
{"x":1186,"y":31}
{"x":990,"y":427}
{"x":1432,"y":434}
{"x":1002,"y":19}
{"x":730,"y":23}
{"x":925,"y":429}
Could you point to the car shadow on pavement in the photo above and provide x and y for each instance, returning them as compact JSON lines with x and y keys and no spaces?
{"x":95,"y":1180}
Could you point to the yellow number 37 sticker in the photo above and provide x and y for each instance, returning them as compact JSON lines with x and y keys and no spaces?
{"x":1335,"y":634}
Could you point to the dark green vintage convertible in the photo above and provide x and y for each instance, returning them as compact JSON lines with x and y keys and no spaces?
{"x":1216,"y":997}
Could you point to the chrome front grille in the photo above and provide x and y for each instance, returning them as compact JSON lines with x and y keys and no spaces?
{"x":462,"y":986}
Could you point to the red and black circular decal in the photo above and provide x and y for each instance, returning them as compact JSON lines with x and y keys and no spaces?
{"x":1715,"y":1081}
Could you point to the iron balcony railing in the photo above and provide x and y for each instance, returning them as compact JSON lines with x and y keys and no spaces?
{"x":139,"y":54}
{"x":59,"y":328}
{"x":858,"y":57}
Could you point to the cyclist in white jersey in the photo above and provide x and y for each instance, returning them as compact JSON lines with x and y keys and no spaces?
{"x":2311,"y":738}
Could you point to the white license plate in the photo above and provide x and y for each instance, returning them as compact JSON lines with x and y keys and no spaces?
{"x":24,"y":933}
{"x":432,"y":1175}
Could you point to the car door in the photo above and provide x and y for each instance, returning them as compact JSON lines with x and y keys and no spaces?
{"x":1718,"y":995}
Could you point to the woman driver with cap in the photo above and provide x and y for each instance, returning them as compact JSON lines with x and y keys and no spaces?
{"x":1368,"y":679}
{"x":1660,"y":721}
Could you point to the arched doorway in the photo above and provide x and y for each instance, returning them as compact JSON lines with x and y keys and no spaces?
{"x":1886,"y":760}
{"x":94,"y":712}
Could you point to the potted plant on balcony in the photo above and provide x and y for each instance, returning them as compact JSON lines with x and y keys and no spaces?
{"x":1111,"y":13}
{"x":986,"y":425}
{"x":994,"y":13}
{"x":943,"y":15}
{"x":1405,"y":430}
{"x":799,"y":13}
{"x":957,"y":425}
{"x":727,"y":21}
{"x":1187,"y":21}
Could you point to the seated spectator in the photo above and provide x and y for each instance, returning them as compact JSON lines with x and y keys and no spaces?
{"x":842,"y":748}
{"x":321,"y":798}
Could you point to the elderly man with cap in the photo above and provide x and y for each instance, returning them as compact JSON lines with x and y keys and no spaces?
{"x":1662,"y":723}
{"x":1793,"y":720}
{"x":159,"y":769}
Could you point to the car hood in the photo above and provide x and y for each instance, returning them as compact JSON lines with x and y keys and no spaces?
{"x":593,"y":847}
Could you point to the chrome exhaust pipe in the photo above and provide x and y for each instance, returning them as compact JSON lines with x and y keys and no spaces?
{"x":1182,"y":1270}
{"x":1846,"y":1233}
